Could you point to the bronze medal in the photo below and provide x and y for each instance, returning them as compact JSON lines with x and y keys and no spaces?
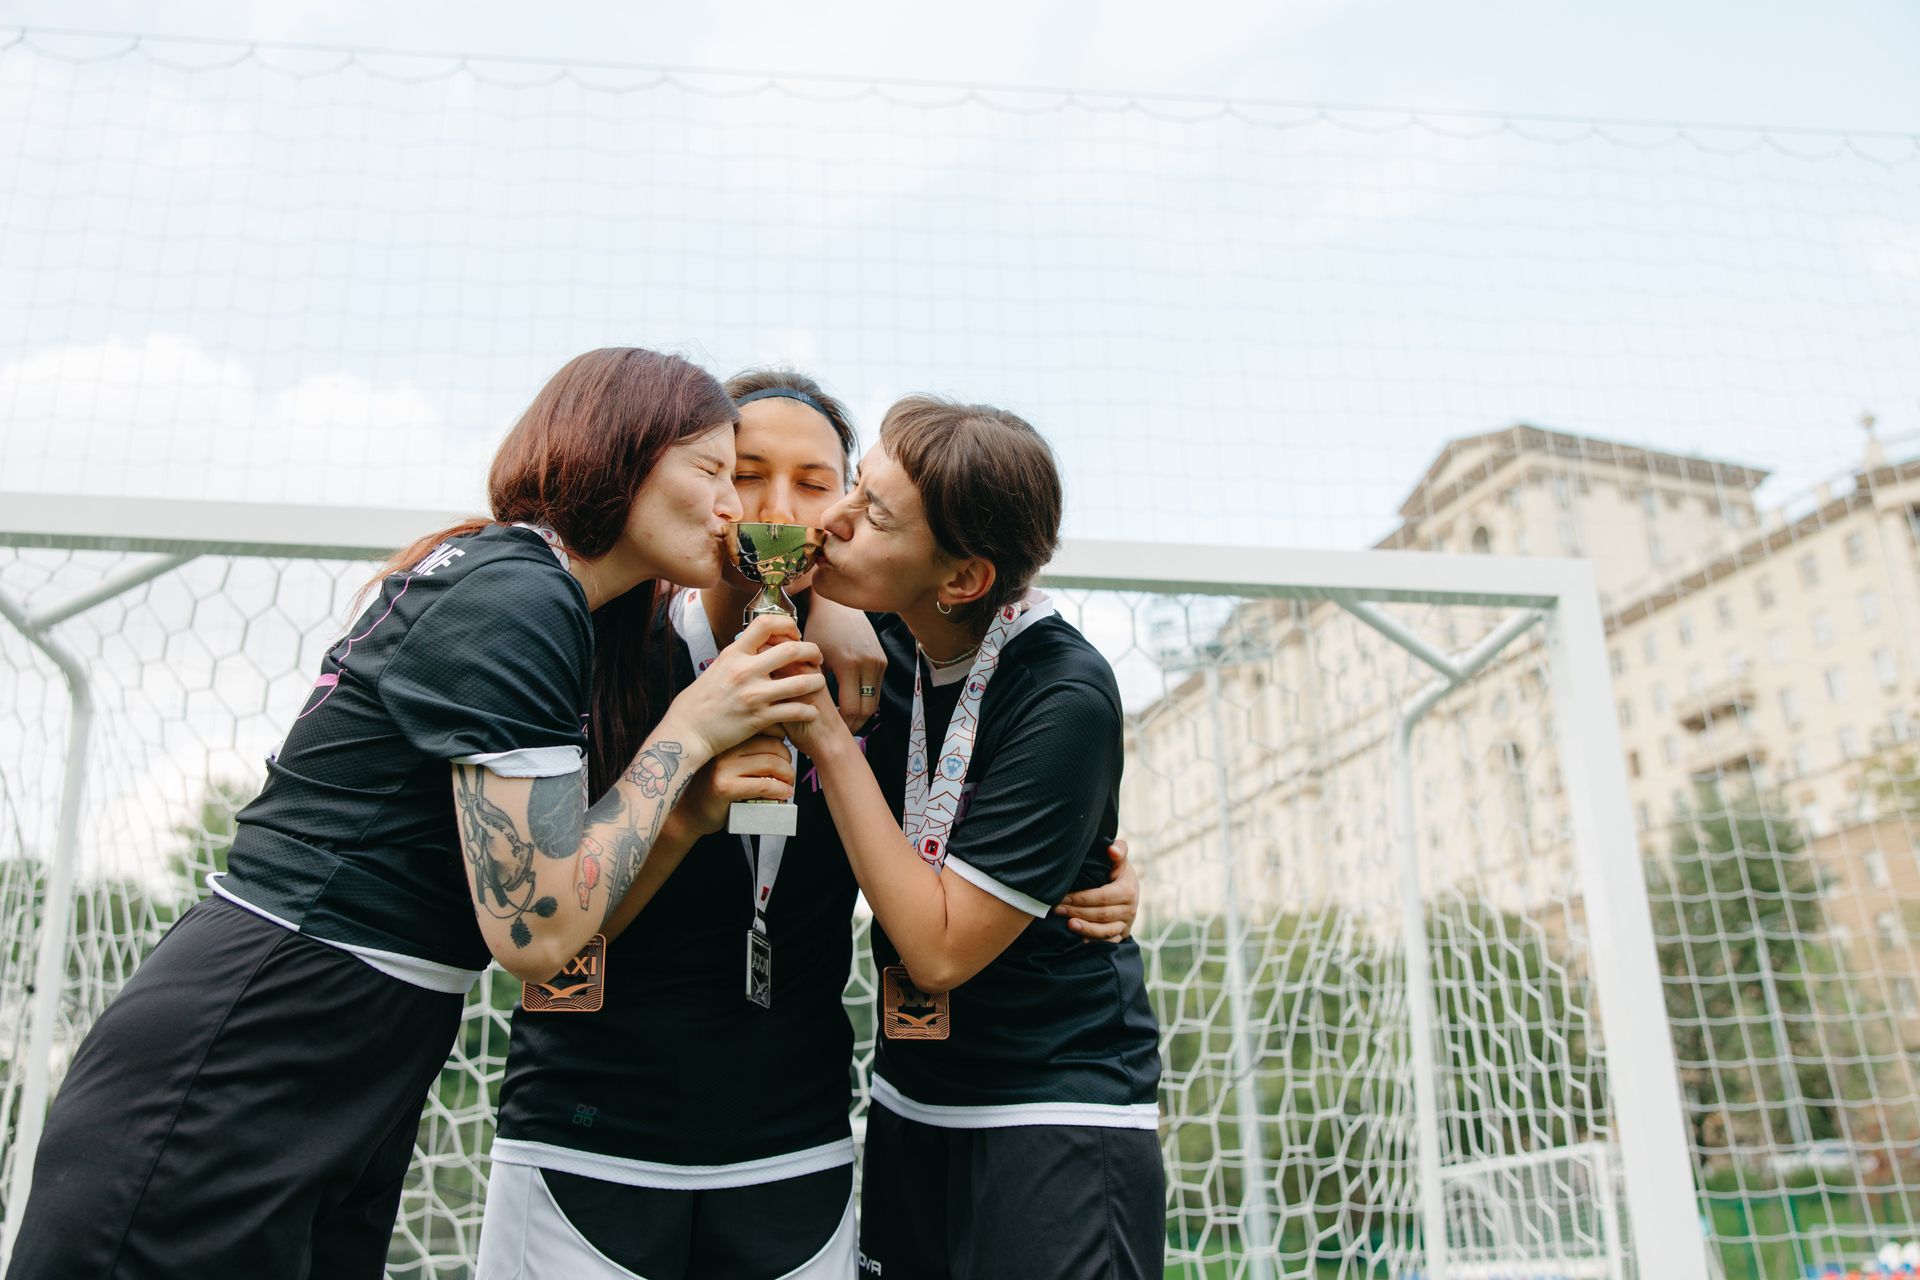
{"x":908,"y":1013}
{"x":579,"y":987}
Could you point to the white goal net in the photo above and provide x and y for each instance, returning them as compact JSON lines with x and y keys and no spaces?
{"x":1380,"y":832}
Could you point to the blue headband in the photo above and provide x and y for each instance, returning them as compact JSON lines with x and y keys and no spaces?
{"x":787,"y":393}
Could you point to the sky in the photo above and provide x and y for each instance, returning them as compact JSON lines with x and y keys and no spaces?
{"x":250,"y":281}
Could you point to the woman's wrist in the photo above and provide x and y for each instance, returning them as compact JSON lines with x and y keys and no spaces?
{"x":830,"y":744}
{"x":694,"y":751}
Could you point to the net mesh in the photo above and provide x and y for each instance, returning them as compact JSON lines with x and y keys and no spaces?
{"x":333,"y":278}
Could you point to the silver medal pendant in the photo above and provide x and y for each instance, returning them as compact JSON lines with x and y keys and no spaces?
{"x":759,"y":969}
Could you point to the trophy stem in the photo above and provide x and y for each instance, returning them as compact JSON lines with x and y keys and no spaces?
{"x":771,"y":600}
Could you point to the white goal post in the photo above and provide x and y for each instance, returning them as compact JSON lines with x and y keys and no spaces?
{"x":1635,"y":1162}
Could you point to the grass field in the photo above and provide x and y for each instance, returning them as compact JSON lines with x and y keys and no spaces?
{"x":1760,"y":1234}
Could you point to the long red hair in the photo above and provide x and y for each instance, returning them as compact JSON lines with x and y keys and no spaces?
{"x":575,"y":462}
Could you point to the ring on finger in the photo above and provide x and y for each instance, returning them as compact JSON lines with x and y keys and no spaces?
{"x":868,"y":691}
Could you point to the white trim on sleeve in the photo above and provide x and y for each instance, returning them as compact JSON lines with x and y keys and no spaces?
{"x":673,"y":1177}
{"x":1087,"y":1115}
{"x":987,"y":884}
{"x":529,"y":762}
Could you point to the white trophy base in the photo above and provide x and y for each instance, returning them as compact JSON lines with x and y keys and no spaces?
{"x":763,"y":818}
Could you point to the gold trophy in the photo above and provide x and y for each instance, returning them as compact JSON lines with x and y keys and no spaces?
{"x":770,"y":555}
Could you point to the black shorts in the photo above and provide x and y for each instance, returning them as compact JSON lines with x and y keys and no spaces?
{"x":1065,"y":1202}
{"x":245,"y":1107}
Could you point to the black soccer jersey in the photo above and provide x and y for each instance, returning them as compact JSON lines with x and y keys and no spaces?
{"x":1052,"y":1031}
{"x":483,"y":651}
{"x":680,"y":1072}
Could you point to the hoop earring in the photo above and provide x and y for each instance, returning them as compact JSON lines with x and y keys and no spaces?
{"x":941,"y":605}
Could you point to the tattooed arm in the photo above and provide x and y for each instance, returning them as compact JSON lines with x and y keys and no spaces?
{"x":547,"y":872}
{"x":546,"y":880}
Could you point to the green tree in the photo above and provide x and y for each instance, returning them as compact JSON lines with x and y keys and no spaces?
{"x":1757,"y":998}
{"x":1517,"y":1070}
{"x":1892,"y":778}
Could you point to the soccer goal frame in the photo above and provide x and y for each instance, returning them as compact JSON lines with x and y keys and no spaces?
{"x":1557,"y":596}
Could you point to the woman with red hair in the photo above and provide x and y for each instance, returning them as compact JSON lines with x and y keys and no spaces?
{"x":259,"y":1081}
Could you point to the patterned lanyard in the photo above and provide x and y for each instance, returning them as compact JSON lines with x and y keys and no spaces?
{"x":932,"y":804}
{"x":548,"y":536}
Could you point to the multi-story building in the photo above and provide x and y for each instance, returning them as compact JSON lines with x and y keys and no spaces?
{"x":1775,"y":647}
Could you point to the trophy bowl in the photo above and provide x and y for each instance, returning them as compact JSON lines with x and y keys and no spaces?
{"x":770,"y":556}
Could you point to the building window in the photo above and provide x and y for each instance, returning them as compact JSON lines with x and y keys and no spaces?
{"x":1482,"y":540}
{"x":1856,"y":547}
{"x":1685,"y":628}
{"x":1633,"y":764}
{"x":1899,"y":724}
{"x":1885,"y":669}
{"x":1903,"y":997}
{"x":1512,"y":498}
{"x":1802,"y":760}
{"x":1822,"y":630}
{"x":1651,"y":647}
{"x":1763,"y":592}
{"x":1869,"y":607}
{"x":1809,"y":571}
{"x":1656,"y":549}
{"x":1649,"y":503}
{"x":1562,"y":491}
{"x":1569,"y":540}
{"x":1790,"y":707}
{"x":1659,"y":696}
{"x":1736,"y":664}
{"x":1777,"y":645}
{"x":1836,"y":685}
{"x":1696,"y":680}
{"x":1723,"y":609}
{"x":1522,"y":544}
{"x":1670,"y":749}
{"x":1617,"y":661}
{"x":1849,"y":744}
{"x":1887,"y":926}
{"x":1626,"y":714}
{"x":1642,"y":817}
{"x":1875,"y":863}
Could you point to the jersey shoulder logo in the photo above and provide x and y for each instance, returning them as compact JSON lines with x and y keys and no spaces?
{"x":439,"y":558}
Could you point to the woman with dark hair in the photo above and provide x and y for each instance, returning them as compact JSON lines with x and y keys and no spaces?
{"x":723,"y":1148}
{"x":1013,"y":1127}
{"x":247,"y":1105}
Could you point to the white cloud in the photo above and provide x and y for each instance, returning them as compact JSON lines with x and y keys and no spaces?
{"x":163,"y":416}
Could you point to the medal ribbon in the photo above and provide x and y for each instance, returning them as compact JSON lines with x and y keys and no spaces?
{"x":690,"y":621}
{"x":932,"y":801}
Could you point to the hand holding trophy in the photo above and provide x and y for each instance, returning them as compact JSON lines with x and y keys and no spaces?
{"x":771,"y":555}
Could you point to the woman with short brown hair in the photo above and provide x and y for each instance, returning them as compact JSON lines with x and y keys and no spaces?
{"x":1014,"y":1121}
